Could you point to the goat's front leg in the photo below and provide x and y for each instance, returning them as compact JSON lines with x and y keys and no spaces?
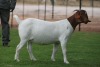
{"x":29,"y":48}
{"x":55,"y":47}
{"x":63,"y":46}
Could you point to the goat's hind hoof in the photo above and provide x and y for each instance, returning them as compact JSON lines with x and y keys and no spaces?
{"x":53,"y":59}
{"x":34,"y":59}
{"x":17,"y":60}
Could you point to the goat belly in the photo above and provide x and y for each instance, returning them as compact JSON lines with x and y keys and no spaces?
{"x":45,"y":39}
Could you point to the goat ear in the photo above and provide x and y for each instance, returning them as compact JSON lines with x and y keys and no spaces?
{"x":77,"y":15}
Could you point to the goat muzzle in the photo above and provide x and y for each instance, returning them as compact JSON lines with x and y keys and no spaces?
{"x":87,"y":21}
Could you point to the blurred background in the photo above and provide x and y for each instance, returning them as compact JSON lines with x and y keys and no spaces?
{"x":53,"y":10}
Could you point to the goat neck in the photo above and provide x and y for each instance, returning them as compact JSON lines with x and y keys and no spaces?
{"x":73,"y":21}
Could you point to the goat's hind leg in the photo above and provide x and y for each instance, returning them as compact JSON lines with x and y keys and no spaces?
{"x":18,"y":48}
{"x":29,"y":48}
{"x":55,"y":48}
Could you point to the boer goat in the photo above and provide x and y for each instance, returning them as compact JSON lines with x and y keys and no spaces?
{"x":33,"y":30}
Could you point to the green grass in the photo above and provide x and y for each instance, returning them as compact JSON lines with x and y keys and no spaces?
{"x":83,"y":51}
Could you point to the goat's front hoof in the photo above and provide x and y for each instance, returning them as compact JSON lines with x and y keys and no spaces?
{"x":17,"y":60}
{"x":66,"y":62}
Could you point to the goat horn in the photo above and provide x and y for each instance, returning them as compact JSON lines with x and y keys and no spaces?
{"x":76,"y":10}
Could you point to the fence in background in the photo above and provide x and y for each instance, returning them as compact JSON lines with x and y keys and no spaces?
{"x":66,"y":3}
{"x":43,"y":9}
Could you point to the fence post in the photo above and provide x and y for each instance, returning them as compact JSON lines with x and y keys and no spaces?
{"x":38,"y":8}
{"x":80,"y":4}
{"x":92,"y":4}
{"x":53,"y":3}
{"x":66,"y":7}
{"x":23,"y":8}
{"x":45,"y":10}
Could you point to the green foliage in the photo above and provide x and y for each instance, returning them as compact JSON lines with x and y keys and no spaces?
{"x":83,"y":51}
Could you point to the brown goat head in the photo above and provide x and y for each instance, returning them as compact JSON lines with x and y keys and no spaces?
{"x":81,"y":16}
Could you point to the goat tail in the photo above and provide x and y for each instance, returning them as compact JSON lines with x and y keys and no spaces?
{"x":17,"y":19}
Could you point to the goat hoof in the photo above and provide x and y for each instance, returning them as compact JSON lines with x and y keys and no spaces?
{"x":17,"y":60}
{"x":66,"y":62}
{"x":52,"y":59}
{"x":33,"y":59}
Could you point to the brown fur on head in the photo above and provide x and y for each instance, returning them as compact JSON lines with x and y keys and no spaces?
{"x":81,"y":16}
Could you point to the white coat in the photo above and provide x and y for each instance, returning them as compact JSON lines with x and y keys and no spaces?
{"x":43,"y":32}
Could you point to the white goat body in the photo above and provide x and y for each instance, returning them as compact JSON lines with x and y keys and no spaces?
{"x":43,"y":32}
